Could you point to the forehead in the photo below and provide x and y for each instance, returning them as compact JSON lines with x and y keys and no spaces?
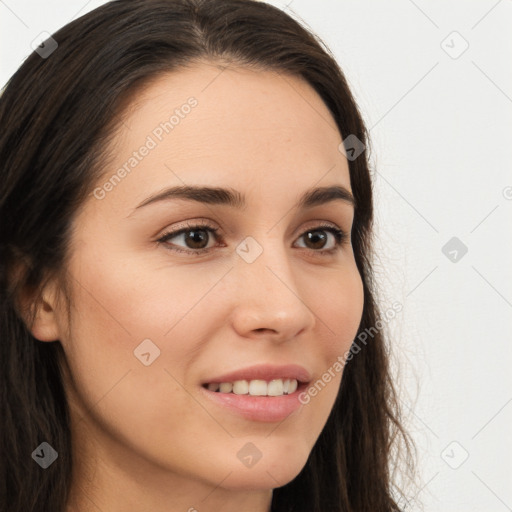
{"x":231,"y":92}
{"x":231,"y":126}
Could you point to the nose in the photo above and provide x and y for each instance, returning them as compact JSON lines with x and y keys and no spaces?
{"x":269,"y":300}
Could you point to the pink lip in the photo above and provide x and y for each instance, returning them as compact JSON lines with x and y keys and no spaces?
{"x":264,"y":372}
{"x":258,"y":408}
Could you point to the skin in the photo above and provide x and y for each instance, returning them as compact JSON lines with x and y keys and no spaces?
{"x":144,"y":437}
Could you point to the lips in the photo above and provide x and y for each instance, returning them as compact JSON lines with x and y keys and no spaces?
{"x":265,"y":372}
{"x":255,"y":408}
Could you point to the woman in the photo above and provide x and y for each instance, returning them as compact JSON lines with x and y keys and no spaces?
{"x":185,"y":240}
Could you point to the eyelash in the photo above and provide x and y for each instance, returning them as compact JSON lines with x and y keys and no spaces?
{"x":340,"y":236}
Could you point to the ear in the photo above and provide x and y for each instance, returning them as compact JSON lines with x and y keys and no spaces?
{"x":45,"y":326}
{"x":40,"y":311}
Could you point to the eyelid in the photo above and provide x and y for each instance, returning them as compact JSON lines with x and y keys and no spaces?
{"x":341,"y":237}
{"x":203,"y":223}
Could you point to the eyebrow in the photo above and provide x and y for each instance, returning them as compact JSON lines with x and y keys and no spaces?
{"x":234,"y":199}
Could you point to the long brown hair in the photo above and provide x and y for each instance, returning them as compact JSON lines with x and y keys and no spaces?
{"x":58,"y":113}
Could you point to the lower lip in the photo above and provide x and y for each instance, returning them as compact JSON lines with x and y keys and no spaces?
{"x":258,"y":408}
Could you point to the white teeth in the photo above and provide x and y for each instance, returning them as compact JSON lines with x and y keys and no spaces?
{"x":240,"y":387}
{"x":226,"y":387}
{"x":276,"y":387}
{"x":257,"y":388}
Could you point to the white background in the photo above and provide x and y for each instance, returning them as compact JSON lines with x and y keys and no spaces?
{"x":441,"y":145}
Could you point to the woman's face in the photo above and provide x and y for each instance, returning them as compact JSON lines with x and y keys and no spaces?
{"x":156,"y":317}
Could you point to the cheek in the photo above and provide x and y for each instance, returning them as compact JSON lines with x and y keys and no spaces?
{"x":117,"y":308}
{"x":121,"y":303}
{"x":133,"y":402}
{"x":340,"y":310}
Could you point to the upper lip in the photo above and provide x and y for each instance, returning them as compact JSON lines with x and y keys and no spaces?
{"x":264,"y":372}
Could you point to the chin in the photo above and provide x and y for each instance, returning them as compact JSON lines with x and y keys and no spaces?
{"x":270,"y":475}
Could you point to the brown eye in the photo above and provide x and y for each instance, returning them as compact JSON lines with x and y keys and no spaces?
{"x":195,"y":239}
{"x":317,"y":238}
